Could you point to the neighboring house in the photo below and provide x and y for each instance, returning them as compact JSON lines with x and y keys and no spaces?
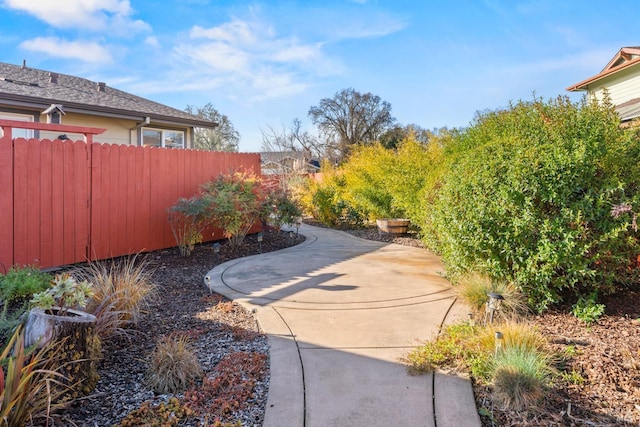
{"x":287,"y":162}
{"x":32,"y":95}
{"x":620,"y":78}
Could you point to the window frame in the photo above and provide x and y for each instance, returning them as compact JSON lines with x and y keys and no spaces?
{"x":21,"y":117}
{"x":163,"y":137}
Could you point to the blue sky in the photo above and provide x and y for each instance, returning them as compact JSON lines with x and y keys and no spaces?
{"x":265,"y":63}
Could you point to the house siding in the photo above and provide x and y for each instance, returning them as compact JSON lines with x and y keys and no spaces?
{"x":118,"y":131}
{"x":622,"y":87}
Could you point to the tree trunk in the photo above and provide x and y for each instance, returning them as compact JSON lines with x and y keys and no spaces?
{"x":80,"y":349}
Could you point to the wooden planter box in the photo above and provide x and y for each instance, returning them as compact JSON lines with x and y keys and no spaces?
{"x":393,"y":226}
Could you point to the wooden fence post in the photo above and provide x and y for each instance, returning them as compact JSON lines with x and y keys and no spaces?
{"x":6,"y":199}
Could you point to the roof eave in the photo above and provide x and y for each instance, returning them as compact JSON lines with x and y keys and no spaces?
{"x":584,"y":85}
{"x":74,"y":107}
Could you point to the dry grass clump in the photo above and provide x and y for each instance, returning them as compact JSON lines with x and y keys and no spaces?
{"x":122,"y":289}
{"x":517,"y":365}
{"x":474,"y":287}
{"x":173,"y":366}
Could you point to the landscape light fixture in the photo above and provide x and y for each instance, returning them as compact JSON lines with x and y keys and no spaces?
{"x":498,"y":341}
{"x":216,"y":250}
{"x":493,"y":305}
{"x":291,"y":235}
{"x":260,"y":237}
{"x":298,"y":224}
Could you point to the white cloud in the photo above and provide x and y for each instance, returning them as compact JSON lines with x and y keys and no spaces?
{"x":249,"y":61}
{"x":52,"y":46}
{"x":253,"y":61}
{"x":152,"y":41}
{"x":369,"y":29}
{"x":236,"y":32}
{"x":96,"y":15}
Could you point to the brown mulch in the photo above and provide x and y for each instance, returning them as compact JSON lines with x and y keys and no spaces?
{"x":602,"y":363}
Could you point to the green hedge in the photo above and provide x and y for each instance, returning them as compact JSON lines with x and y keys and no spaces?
{"x":526,"y":196}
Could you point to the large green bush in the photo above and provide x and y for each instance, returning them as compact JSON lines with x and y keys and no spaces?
{"x":387,"y":183}
{"x":526,"y":196}
{"x":325,"y":200}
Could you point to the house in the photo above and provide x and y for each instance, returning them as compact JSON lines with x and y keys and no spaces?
{"x":287,"y":162}
{"x":620,"y":78}
{"x":32,"y":95}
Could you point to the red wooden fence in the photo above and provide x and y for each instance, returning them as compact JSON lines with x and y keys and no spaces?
{"x":63,"y":202}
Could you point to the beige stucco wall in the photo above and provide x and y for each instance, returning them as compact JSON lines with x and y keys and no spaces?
{"x":118,"y":131}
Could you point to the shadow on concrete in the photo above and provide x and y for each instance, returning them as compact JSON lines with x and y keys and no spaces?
{"x":329,"y":387}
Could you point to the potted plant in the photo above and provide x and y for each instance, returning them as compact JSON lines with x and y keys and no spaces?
{"x":393,"y":226}
{"x":56,"y":315}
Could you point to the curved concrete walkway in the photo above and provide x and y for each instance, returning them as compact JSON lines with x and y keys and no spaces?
{"x":339,"y":313}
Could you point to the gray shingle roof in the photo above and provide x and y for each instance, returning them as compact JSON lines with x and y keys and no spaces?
{"x":24,"y":85}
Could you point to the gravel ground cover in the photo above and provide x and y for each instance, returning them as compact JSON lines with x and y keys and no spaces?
{"x":218,"y":328}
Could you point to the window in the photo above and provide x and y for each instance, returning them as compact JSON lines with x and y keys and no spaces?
{"x":19,"y":133}
{"x":162,"y":138}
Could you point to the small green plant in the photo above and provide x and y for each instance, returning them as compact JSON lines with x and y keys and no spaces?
{"x":21,"y":283}
{"x":174,"y":366}
{"x":449,"y":351}
{"x":520,"y":376}
{"x":167,"y":414}
{"x":10,"y":319}
{"x":517,"y":364}
{"x":587,"y":309}
{"x":569,"y":351}
{"x":30,"y":384}
{"x":573,"y":377}
{"x":65,"y":293}
{"x":188,"y":218}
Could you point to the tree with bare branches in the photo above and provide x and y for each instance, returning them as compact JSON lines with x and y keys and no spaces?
{"x":350,"y":118}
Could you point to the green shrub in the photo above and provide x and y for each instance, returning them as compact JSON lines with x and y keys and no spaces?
{"x":327,"y":203}
{"x":234,"y":203}
{"x":526,"y":198}
{"x":10,"y":319}
{"x":387,"y":183}
{"x":279,"y":208}
{"x":366,"y":176}
{"x":188,"y":219}
{"x":20,"y":283}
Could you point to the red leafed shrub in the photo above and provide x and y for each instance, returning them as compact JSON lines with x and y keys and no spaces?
{"x":229,"y":386}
